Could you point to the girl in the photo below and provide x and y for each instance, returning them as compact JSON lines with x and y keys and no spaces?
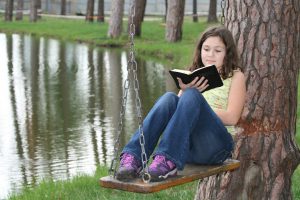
{"x":195,"y":126}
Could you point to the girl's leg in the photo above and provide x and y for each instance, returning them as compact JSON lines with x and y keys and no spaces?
{"x":193,"y":123}
{"x":153,"y":125}
{"x":210,"y":143}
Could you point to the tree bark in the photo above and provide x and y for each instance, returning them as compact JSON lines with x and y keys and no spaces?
{"x":90,"y":11}
{"x":100,"y":11}
{"x":195,"y":14}
{"x":115,"y":22}
{"x":166,"y":11}
{"x":212,"y":12}
{"x":39,"y":4}
{"x":140,"y":6}
{"x":9,"y":6}
{"x":33,"y":10}
{"x":174,"y":20}
{"x":268,"y":36}
{"x":63,"y":7}
{"x":144,"y":10}
{"x":20,"y":7}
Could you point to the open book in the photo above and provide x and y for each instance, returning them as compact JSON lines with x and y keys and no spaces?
{"x":209,"y":72}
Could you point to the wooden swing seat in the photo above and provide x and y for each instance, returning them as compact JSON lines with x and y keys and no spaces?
{"x":189,"y":174}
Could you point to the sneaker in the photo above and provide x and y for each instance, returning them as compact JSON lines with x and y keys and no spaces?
{"x":129,"y":168}
{"x":162,"y":168}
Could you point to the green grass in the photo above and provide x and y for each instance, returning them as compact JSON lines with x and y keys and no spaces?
{"x":87,"y":187}
{"x":296,"y":176}
{"x":151,"y":44}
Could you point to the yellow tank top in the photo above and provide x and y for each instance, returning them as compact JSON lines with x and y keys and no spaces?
{"x":218,"y":99}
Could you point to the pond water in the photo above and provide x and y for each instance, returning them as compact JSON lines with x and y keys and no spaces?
{"x":60,"y":105}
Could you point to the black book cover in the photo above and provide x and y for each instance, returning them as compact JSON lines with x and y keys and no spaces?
{"x":209,"y":72}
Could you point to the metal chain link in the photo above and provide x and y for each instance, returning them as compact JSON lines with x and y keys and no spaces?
{"x":223,"y":12}
{"x":132,"y":69}
{"x":145,"y":174}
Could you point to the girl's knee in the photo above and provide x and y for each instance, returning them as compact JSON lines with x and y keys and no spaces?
{"x":168,"y":99}
{"x":170,"y":96}
{"x":192,"y":95}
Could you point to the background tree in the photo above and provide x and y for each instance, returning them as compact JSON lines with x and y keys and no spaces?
{"x":166,"y":10}
{"x":33,"y":10}
{"x":100,"y":17}
{"x":195,"y":14}
{"x":212,"y":12}
{"x":174,"y":22}
{"x":63,"y":7}
{"x":9,"y":6}
{"x":115,"y":22}
{"x":144,"y":9}
{"x":268,"y":38}
{"x":39,"y":4}
{"x":90,"y":11}
{"x":140,"y":6}
{"x":20,"y":7}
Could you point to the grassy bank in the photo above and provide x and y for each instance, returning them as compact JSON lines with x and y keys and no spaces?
{"x":87,"y":187}
{"x":152,"y":44}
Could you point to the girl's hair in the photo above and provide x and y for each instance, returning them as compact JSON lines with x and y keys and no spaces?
{"x":231,"y":59}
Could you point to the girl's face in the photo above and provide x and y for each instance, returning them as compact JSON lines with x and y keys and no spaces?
{"x":213,"y":52}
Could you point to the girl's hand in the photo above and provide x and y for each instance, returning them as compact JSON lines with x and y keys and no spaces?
{"x":199,"y":83}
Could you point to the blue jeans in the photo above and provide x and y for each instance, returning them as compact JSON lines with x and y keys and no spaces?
{"x":188,"y":129}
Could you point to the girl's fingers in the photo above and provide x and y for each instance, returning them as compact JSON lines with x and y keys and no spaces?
{"x":194,"y":82}
{"x":202,"y":84}
{"x":199,"y":83}
{"x":201,"y":89}
{"x":179,"y":81}
{"x":181,"y":84}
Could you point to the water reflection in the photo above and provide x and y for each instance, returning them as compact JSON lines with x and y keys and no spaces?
{"x":60,"y":105}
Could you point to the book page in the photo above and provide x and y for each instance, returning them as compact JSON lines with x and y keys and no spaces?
{"x":181,"y":71}
{"x":202,"y":68}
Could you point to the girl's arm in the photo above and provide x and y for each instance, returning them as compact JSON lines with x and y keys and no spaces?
{"x":236,"y":100}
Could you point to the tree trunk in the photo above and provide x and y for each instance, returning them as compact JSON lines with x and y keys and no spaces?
{"x":39,"y":4}
{"x":166,"y":11}
{"x":90,"y":11}
{"x":39,"y":9}
{"x":138,"y":17}
{"x":267,"y":35}
{"x":100,"y":11}
{"x":115,"y":22}
{"x":195,"y":14}
{"x":212,"y":12}
{"x":20,"y":7}
{"x":33,"y":10}
{"x":174,"y":20}
{"x":63,"y":7}
{"x":9,"y":6}
{"x":144,"y":10}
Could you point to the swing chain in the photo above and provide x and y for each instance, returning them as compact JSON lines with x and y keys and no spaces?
{"x":132,"y":69}
{"x":132,"y":62}
{"x":223,"y":12}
